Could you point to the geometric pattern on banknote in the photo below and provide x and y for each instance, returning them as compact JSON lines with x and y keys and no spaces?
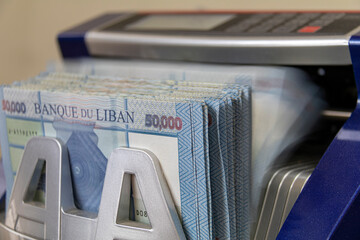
{"x":88,"y":166}
{"x":238,"y":163}
{"x":226,"y":154}
{"x":222,"y":125}
{"x":207,"y":119}
{"x":230,"y":143}
{"x":243,"y":137}
{"x":246,"y":153}
{"x":235,"y":159}
{"x":218,"y":182}
{"x":186,"y":174}
{"x":200,"y":162}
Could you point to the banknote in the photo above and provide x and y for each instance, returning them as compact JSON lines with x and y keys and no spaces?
{"x":247,"y":128}
{"x":182,"y":89}
{"x":194,"y":76}
{"x":273,"y":99}
{"x":225,"y":216}
{"x":220,"y":208}
{"x":93,"y":125}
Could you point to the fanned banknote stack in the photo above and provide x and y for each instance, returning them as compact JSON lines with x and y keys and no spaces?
{"x":215,"y":130}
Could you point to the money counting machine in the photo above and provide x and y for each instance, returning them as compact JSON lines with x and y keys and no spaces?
{"x":324,"y":45}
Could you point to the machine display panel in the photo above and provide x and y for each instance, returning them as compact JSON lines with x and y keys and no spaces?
{"x":247,"y":24}
{"x":179,"y":22}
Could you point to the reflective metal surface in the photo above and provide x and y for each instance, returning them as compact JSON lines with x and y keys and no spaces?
{"x":327,"y":50}
{"x":283,"y":189}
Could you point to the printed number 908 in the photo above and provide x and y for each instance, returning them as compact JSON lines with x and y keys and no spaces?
{"x":141,"y":213}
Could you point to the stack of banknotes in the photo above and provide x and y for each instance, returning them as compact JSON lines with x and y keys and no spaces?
{"x":216,"y":130}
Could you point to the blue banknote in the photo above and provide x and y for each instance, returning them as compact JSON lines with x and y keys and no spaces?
{"x":92,"y":125}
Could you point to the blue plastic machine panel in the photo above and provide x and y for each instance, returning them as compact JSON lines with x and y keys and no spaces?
{"x":329,"y":205}
{"x":72,"y":42}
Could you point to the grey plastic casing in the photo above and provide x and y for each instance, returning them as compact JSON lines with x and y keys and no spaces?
{"x":224,"y":48}
{"x":59,"y":219}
